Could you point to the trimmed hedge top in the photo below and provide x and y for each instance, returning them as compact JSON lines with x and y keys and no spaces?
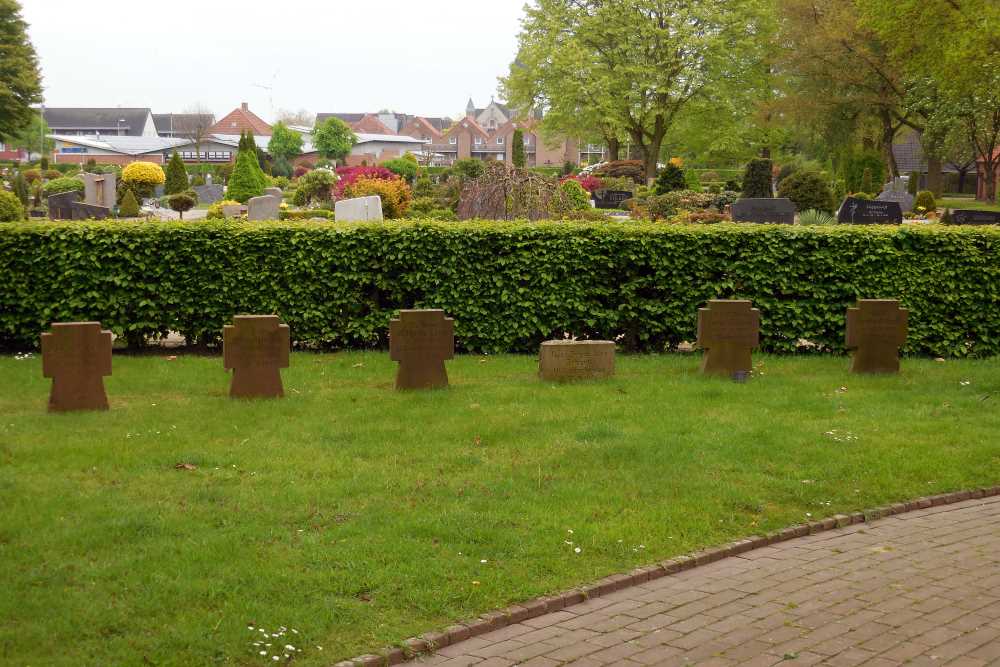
{"x":509,"y":286}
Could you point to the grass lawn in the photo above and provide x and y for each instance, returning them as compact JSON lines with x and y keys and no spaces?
{"x":969,"y":203}
{"x":360,"y":516}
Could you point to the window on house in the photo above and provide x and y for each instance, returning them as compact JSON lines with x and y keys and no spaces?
{"x":479,"y":141}
{"x":452,"y":140}
{"x":499,"y":141}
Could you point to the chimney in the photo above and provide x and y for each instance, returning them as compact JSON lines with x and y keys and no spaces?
{"x":245,"y":106}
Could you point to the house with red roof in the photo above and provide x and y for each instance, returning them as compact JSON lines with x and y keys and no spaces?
{"x":239,"y":121}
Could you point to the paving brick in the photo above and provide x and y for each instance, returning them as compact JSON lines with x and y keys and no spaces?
{"x":916,"y":588}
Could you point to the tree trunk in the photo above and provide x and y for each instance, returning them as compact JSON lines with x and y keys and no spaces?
{"x":935,"y":181}
{"x":991,"y":181}
{"x":888,"y":136}
{"x":614,"y":148}
{"x":962,"y":173}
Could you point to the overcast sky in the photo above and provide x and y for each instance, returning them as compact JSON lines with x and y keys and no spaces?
{"x":425,"y":57}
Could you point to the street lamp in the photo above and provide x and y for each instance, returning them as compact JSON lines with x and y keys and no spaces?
{"x":41,"y":132}
{"x":118,"y":127}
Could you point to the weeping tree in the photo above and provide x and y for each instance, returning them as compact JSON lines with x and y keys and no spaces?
{"x":507,"y":193}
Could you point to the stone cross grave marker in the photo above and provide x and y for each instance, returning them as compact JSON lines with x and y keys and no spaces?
{"x":776,"y":210}
{"x":77,"y":356}
{"x":255,"y":348}
{"x":728,"y":331}
{"x":421,"y":341}
{"x":876,"y":328}
{"x":568,"y":360}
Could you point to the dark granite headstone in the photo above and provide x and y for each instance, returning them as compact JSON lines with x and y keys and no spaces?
{"x":77,"y":356}
{"x":255,"y":348}
{"x":776,"y":210}
{"x":83,"y":211}
{"x":728,"y":331}
{"x":421,"y":341}
{"x":877,"y":328}
{"x":856,"y":211}
{"x":61,"y":205}
{"x":610,"y":198}
{"x":970,"y":217}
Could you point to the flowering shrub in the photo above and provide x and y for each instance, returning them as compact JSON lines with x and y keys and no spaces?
{"x":215,"y":210}
{"x":576,"y":198}
{"x":349,"y":175}
{"x":145,"y":173}
{"x":300,"y":171}
{"x":394,"y":192}
{"x":589,"y":183}
{"x":31,"y":175}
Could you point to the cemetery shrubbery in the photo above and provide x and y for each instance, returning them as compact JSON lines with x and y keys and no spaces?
{"x":62,"y":184}
{"x":11,"y":208}
{"x":141,"y":178}
{"x":757,"y":179}
{"x":925,"y":201}
{"x":508,"y":285}
{"x":808,"y":190}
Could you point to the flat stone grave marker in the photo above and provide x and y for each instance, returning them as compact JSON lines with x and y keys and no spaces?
{"x":421,"y":341}
{"x":265,"y":207}
{"x":569,"y":360}
{"x":359,"y":209}
{"x":876,"y":328}
{"x":856,"y":211}
{"x":776,"y":210}
{"x":970,"y":217}
{"x":255,"y":348}
{"x":77,"y":356}
{"x":728,"y":331}
{"x":610,"y":199}
{"x":61,"y":205}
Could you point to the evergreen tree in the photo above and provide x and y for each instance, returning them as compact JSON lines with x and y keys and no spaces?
{"x":517,"y":150}
{"x":757,"y":179}
{"x":866,"y":181}
{"x":129,"y":208}
{"x":247,"y":178}
{"x":20,"y":79}
{"x":20,"y":189}
{"x":177,"y":178}
{"x":671,"y":178}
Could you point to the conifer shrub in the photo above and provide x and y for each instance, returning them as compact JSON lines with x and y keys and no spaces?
{"x":517,"y":155}
{"x":246,"y":181}
{"x":20,"y":189}
{"x":913,"y":183}
{"x":176,"y":176}
{"x":757,"y":179}
{"x":181,"y":202}
{"x":925,"y":200}
{"x":808,"y":190}
{"x":669,"y":179}
{"x":866,"y":181}
{"x":129,"y":208}
{"x":11,"y":209}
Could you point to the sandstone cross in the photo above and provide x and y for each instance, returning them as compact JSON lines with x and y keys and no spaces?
{"x":728,"y":331}
{"x":421,"y":341}
{"x":255,"y":348}
{"x":876,"y":328}
{"x":77,"y":356}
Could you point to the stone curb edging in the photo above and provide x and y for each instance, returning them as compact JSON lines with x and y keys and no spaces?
{"x":494,"y":620}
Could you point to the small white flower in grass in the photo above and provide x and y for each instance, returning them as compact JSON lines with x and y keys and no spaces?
{"x":569,"y":530}
{"x":263,"y":652}
{"x":483,"y":561}
{"x":568,"y":542}
{"x":965,"y":383}
{"x":275,"y":658}
{"x":295,"y":631}
{"x":577,"y":550}
{"x":808,"y":513}
{"x":320,"y":648}
{"x":289,"y":647}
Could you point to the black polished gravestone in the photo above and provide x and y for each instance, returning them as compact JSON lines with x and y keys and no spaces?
{"x":775,"y":210}
{"x":82,"y":211}
{"x":970,"y":217}
{"x":610,"y":198}
{"x":856,"y":211}
{"x":61,"y":205}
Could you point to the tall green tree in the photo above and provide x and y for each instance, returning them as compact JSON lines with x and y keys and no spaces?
{"x":284,"y":143}
{"x":517,"y":149}
{"x":246,"y":180}
{"x":20,"y":79}
{"x":951,"y":50}
{"x":34,"y":137}
{"x":176,"y":176}
{"x":334,"y":139}
{"x":631,"y":66}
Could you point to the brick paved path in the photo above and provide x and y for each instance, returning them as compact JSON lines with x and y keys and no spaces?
{"x":921,"y":588}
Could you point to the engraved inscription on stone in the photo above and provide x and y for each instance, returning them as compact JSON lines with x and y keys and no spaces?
{"x":568,"y":360}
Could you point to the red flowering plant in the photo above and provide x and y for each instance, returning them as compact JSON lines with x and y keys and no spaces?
{"x":349,"y":175}
{"x":589,"y":183}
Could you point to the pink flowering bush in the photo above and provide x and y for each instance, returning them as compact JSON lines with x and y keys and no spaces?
{"x":349,"y":175}
{"x":589,"y":183}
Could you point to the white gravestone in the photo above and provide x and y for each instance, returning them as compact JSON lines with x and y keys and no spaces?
{"x":361,"y":209}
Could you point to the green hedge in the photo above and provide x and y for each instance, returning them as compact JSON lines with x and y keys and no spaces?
{"x":508,"y":285}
